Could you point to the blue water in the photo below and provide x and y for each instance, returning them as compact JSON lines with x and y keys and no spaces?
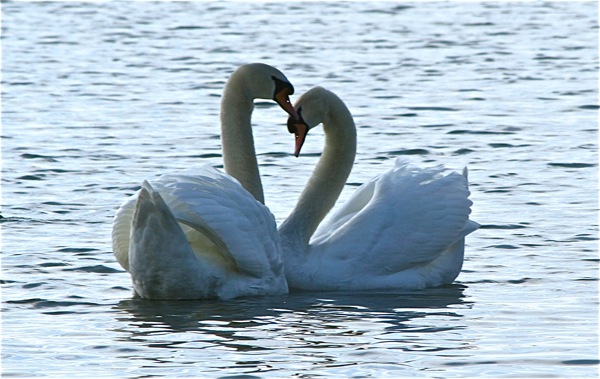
{"x":97,"y":97}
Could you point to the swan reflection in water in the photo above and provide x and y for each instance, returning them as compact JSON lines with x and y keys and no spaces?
{"x":299,"y":319}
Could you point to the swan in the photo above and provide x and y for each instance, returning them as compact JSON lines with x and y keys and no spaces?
{"x":403,"y":229}
{"x":203,"y":233}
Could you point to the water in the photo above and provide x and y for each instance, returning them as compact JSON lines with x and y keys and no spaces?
{"x":99,"y":96}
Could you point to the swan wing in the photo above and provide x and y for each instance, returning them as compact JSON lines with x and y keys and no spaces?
{"x":402,"y":218}
{"x":221,"y":220}
{"x":121,"y":230}
{"x":237,"y":221}
{"x":198,"y":235}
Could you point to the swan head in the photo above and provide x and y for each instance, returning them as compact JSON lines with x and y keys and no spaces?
{"x":261,"y":81}
{"x":312,"y":108}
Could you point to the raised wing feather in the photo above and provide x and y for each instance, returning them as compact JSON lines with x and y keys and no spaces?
{"x":244,"y":225}
{"x":121,"y":231}
{"x":221,"y":220}
{"x":405,"y":217}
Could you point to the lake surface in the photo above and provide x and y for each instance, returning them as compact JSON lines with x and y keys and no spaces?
{"x":97,"y":97}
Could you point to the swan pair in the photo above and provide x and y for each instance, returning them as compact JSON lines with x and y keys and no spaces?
{"x":206,"y":234}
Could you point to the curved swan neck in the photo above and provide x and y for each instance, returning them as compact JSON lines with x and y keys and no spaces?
{"x":329,"y":176}
{"x":237,"y":142}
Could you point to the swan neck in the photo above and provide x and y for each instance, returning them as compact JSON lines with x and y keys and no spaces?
{"x":328,"y":178}
{"x":237,"y":142}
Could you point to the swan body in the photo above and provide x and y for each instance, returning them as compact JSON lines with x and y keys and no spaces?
{"x":184,"y":246}
{"x":404,"y":229}
{"x":203,"y":233}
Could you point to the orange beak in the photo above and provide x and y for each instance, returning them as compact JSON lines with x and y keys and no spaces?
{"x":300,"y":130}
{"x":283,"y":99}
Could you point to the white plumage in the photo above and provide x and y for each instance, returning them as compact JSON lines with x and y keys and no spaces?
{"x":200,"y":235}
{"x":403,"y":229}
{"x":205,"y":234}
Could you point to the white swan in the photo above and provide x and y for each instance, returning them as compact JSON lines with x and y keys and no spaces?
{"x":201,"y":234}
{"x":404,"y":229}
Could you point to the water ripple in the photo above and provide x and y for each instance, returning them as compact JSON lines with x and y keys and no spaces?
{"x":98,"y":97}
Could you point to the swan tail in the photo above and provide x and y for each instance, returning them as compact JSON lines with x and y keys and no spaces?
{"x":161,"y":262}
{"x":469,"y":228}
{"x":154,"y":229}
